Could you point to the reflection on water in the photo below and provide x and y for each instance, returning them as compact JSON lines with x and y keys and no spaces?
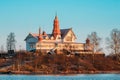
{"x":65,"y":77}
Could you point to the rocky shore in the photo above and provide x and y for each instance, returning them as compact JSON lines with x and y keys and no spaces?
{"x":60,"y":73}
{"x":25,"y":63}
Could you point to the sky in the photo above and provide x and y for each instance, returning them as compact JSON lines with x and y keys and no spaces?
{"x":83,"y":16}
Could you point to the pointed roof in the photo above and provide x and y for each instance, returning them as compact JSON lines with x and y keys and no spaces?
{"x":56,"y":18}
{"x":56,"y":27}
{"x":40,"y":37}
{"x":39,"y":30}
{"x":35,"y":35}
{"x":44,"y":33}
{"x":65,"y":31}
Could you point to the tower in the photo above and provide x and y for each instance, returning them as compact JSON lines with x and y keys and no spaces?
{"x":40,"y":35}
{"x":56,"y":29}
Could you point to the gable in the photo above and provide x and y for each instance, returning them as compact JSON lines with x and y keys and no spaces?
{"x":70,"y":33}
{"x":64,"y":32}
{"x":70,"y":36}
{"x":30,"y":36}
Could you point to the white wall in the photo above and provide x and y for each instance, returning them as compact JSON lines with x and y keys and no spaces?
{"x":31,"y":41}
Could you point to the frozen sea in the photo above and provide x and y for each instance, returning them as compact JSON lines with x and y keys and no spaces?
{"x":62,"y":77}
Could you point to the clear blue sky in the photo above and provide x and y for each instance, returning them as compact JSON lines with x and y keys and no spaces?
{"x":84,"y":16}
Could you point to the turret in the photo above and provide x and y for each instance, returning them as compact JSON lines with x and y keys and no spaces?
{"x":56,"y":29}
{"x":40,"y":35}
{"x":44,"y":33}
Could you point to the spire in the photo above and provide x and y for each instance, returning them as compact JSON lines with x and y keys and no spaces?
{"x":56,"y":13}
{"x":56,"y":28}
{"x":40,"y":35}
{"x":39,"y":31}
{"x":56,"y":16}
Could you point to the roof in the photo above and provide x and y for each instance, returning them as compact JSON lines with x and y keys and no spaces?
{"x":63,"y":34}
{"x":65,"y":31}
{"x":34,"y":34}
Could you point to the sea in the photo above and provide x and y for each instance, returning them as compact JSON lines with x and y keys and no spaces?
{"x":62,"y":77}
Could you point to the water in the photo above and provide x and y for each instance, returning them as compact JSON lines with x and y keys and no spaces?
{"x":58,"y":77}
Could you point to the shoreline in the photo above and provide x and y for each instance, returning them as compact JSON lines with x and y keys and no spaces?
{"x":63,"y":73}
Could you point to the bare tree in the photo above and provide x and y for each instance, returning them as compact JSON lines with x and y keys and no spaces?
{"x":2,"y":49}
{"x":114,"y":43}
{"x":95,"y":41}
{"x":11,"y":41}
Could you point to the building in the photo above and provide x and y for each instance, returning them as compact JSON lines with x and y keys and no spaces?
{"x":59,"y":41}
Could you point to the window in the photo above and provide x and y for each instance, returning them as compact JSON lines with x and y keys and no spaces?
{"x":32,"y":45}
{"x":69,"y":38}
{"x":37,"y":45}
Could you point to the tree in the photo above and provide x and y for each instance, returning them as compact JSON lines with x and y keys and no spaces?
{"x":114,"y":43}
{"x":2,"y":49}
{"x":11,"y":41}
{"x":95,"y":41}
